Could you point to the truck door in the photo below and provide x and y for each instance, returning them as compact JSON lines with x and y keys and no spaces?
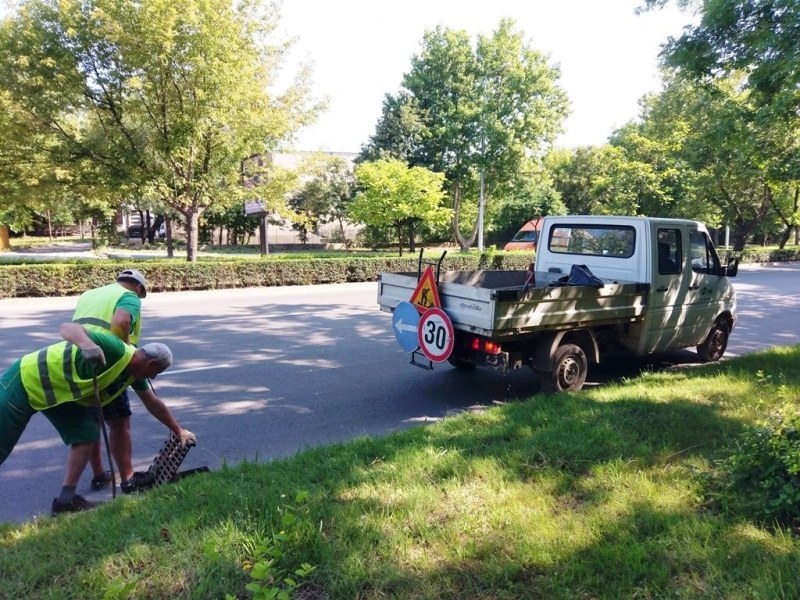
{"x":667,"y":310}
{"x":702,"y":292}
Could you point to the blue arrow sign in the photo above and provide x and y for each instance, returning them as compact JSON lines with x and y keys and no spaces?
{"x":405,"y":322}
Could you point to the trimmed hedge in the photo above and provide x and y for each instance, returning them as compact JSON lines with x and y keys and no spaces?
{"x":71,"y":279}
{"x":764,"y":255}
{"x":74,"y":277}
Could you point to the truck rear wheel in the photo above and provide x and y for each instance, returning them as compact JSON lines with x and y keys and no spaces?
{"x":461,"y":364}
{"x":569,"y":370}
{"x":714,"y":346}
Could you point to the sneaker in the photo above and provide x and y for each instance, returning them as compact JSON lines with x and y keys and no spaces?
{"x":140,"y":482}
{"x":101,"y":481}
{"x":77,"y":504}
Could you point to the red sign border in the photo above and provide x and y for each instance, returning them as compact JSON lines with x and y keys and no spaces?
{"x":427,"y":275}
{"x":448,"y":323}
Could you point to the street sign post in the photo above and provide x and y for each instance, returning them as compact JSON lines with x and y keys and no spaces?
{"x":435,"y":335}
{"x":405,"y":322}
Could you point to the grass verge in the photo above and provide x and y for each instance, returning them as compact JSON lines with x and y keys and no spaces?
{"x":611,"y":493}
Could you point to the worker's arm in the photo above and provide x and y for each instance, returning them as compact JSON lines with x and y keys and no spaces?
{"x":121,"y":324}
{"x":76,"y":334}
{"x":160,"y":411}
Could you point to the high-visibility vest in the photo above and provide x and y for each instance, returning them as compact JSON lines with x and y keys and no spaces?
{"x":96,"y":309}
{"x":50,"y":377}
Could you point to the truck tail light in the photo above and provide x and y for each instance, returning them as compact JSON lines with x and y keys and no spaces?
{"x":484,"y":345}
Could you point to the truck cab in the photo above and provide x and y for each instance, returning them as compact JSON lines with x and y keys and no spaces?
{"x":690,"y":295}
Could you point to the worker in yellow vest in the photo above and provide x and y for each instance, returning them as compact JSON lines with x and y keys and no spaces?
{"x":59,"y":381}
{"x":116,"y":308}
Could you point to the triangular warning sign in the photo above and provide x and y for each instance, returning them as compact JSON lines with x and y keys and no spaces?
{"x":427,"y":294}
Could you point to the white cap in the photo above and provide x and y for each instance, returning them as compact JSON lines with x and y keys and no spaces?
{"x":136,"y":277}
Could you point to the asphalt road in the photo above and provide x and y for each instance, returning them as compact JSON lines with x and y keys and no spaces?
{"x":265,"y":372}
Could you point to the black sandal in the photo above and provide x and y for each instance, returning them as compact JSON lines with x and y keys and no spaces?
{"x":101,"y":481}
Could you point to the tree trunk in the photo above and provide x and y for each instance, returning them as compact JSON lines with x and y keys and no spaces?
{"x":463,"y":242}
{"x":168,"y":232}
{"x":151,"y":230}
{"x":192,"y":223}
{"x":5,"y":243}
{"x":400,"y":238}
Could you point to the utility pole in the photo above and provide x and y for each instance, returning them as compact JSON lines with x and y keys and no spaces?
{"x":481,"y":198}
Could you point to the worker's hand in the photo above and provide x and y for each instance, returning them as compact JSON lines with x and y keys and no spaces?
{"x":187,"y":438}
{"x":94,"y":356}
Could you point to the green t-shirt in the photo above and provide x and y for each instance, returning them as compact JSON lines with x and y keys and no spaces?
{"x":131,"y":303}
{"x":114,"y":350}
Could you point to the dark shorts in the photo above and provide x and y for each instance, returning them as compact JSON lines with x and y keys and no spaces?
{"x":118,"y":408}
{"x":74,"y":423}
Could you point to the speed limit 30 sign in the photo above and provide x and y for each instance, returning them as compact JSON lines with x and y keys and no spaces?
{"x":435,"y":333}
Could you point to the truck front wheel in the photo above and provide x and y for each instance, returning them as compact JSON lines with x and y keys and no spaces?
{"x":569,"y":370}
{"x":714,"y":346}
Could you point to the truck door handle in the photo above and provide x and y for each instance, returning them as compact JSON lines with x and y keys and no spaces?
{"x":663,"y":288}
{"x":694,"y":287}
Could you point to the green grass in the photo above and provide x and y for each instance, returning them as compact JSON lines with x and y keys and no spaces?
{"x":609,"y":493}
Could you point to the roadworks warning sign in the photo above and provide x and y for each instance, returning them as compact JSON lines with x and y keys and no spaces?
{"x":427,"y":293}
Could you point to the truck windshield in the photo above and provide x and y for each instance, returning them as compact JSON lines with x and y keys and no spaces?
{"x":596,"y":240}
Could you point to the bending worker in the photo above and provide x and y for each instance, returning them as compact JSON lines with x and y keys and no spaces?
{"x":58,"y":381}
{"x":116,"y":308}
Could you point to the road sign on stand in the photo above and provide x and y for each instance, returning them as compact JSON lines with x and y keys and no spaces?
{"x":427,"y":294}
{"x":435,"y":335}
{"x":405,"y":322}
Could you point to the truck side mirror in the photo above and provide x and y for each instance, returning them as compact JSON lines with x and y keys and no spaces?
{"x":732,"y":268}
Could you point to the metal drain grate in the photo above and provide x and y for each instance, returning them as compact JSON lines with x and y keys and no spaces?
{"x":166,"y":464}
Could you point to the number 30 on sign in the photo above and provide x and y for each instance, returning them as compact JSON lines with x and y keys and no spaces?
{"x":435,"y":332}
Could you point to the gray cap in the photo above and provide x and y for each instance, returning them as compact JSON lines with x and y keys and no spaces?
{"x":136,"y":277}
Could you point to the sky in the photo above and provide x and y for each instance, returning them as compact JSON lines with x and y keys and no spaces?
{"x":360,"y":49}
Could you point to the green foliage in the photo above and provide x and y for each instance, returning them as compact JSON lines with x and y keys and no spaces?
{"x":765,"y":469}
{"x":272,"y":574}
{"x":531,"y":198}
{"x":68,"y":279}
{"x":463,"y":110}
{"x":325,"y":195}
{"x":158,"y":98}
{"x":392,"y":195}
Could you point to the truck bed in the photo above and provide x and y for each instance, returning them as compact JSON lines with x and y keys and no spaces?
{"x":488,"y":303}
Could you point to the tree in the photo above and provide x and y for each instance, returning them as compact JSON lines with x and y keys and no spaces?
{"x":168,"y":95}
{"x":713,"y":130}
{"x":465,"y":111}
{"x":391,"y":194}
{"x":755,"y":43}
{"x":606,"y":180}
{"x":757,"y":37}
{"x":325,"y":194}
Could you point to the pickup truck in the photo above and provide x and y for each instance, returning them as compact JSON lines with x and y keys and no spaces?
{"x":654,"y":284}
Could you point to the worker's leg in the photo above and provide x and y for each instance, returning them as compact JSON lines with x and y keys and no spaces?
{"x":119,"y":437}
{"x":79,"y":455}
{"x":118,"y":419}
{"x":15,"y":410}
{"x":78,"y":428}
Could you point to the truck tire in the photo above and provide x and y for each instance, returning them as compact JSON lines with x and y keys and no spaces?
{"x":715,"y":344}
{"x":461,"y":364}
{"x":569,"y":370}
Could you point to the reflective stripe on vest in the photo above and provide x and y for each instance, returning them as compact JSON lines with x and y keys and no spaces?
{"x":95,"y":309}
{"x":50,"y":378}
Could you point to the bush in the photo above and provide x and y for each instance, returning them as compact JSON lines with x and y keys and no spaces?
{"x":765,"y":469}
{"x":753,"y":254}
{"x":73,"y":278}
